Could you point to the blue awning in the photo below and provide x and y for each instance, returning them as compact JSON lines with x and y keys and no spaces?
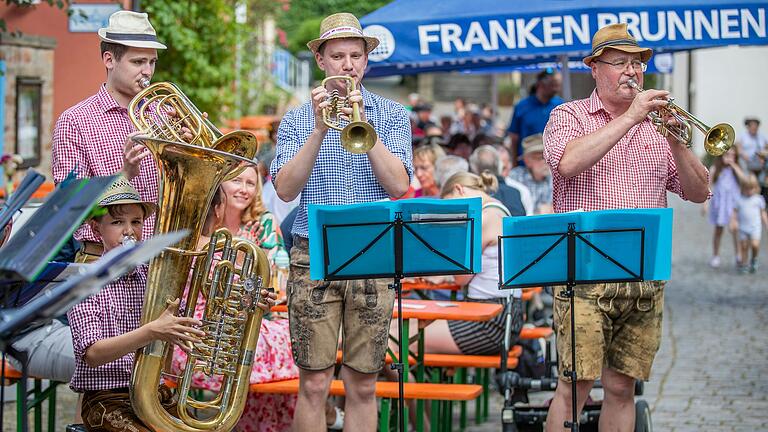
{"x":440,"y":35}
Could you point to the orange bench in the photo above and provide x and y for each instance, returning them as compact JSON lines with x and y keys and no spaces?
{"x":387,"y":391}
{"x":535,"y":332}
{"x":384,"y":389}
{"x":40,"y":193}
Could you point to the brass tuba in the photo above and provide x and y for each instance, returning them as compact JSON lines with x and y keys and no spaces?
{"x":190,"y":172}
{"x":356,"y":137}
{"x":717,"y":139}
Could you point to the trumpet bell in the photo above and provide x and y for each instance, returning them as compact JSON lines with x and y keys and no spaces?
{"x":358,"y":137}
{"x":719,"y":139}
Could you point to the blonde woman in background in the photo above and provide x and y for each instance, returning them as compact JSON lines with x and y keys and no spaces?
{"x":246,"y":216}
{"x":469,"y":337}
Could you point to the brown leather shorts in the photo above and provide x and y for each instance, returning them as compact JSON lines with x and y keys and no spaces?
{"x":316,"y":309}
{"x":111,"y":410}
{"x":618,"y":325}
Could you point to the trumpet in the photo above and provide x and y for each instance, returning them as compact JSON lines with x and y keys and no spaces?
{"x":356,"y":137}
{"x":718,"y":139}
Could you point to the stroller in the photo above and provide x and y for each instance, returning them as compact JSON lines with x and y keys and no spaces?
{"x":523,"y":416}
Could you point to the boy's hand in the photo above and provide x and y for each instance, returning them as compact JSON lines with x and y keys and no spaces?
{"x":176,"y":330}
{"x":267,"y":300}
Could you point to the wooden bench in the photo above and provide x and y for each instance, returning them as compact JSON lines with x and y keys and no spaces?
{"x":384,"y":389}
{"x":13,"y":376}
{"x":387,"y":391}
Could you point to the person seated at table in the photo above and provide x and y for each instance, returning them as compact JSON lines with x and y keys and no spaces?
{"x":424,"y":158}
{"x":478,"y":337}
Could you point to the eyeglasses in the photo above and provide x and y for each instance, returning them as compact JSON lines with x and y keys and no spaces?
{"x":621,"y":64}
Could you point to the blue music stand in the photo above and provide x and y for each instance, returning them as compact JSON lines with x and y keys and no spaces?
{"x":597,"y":247}
{"x":395,"y":239}
{"x":54,"y":300}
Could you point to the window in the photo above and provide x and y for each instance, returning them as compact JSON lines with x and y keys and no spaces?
{"x":28,"y":107}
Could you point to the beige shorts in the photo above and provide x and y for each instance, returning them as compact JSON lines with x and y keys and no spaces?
{"x":316,"y":309}
{"x":618,"y":325}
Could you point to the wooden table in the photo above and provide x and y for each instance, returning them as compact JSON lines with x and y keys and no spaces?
{"x":430,"y":310}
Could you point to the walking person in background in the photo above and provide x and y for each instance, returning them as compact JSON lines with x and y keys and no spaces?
{"x":752,"y":220}
{"x":532,"y":113}
{"x":725,"y":174}
{"x":752,"y":146}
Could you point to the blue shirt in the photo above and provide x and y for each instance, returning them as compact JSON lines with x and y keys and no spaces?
{"x":530,"y":117}
{"x":340,"y":177}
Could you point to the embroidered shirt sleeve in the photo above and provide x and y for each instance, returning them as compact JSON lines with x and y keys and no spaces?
{"x":68,"y":150}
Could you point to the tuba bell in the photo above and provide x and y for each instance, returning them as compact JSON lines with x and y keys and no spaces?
{"x":190,"y":172}
{"x":356,"y":137}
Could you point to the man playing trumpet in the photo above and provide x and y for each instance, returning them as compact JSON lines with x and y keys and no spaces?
{"x":605,"y":153}
{"x":310,"y":160}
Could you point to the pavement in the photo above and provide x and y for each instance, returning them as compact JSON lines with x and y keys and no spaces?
{"x":711,"y":373}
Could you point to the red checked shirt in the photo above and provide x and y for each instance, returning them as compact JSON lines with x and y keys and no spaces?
{"x":113,"y":311}
{"x":89,"y":139}
{"x":636,"y":173}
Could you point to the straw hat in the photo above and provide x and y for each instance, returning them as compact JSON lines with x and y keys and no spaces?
{"x":130,"y":29}
{"x":533,"y":143}
{"x":122,"y":192}
{"x":340,"y":26}
{"x":617,"y":37}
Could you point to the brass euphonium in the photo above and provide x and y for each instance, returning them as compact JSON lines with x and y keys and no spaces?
{"x":356,"y":137}
{"x":190,"y":173}
{"x":717,"y":139}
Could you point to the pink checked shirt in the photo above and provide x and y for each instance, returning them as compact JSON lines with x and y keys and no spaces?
{"x":636,"y":173}
{"x":113,"y":311}
{"x":89,"y":139}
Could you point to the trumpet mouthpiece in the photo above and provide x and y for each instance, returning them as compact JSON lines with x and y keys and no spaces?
{"x":144,"y":82}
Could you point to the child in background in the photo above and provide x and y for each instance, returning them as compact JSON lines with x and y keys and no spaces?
{"x":752,"y":220}
{"x":725,"y":195}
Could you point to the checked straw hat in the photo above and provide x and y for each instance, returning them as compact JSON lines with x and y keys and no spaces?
{"x":130,"y":29}
{"x":122,"y":192}
{"x":616,"y":36}
{"x":340,"y":26}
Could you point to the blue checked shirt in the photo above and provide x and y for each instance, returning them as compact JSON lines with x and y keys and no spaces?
{"x":340,"y":177}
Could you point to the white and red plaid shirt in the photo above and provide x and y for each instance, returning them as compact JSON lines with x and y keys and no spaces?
{"x":636,"y":173}
{"x":89,"y":139}
{"x":113,"y":311}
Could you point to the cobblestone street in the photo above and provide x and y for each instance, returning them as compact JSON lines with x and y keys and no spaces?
{"x":712,"y":371}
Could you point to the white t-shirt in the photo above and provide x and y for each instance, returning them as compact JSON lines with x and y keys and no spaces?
{"x":749,"y":209}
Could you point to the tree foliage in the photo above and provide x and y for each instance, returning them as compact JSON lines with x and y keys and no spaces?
{"x":301,"y":21}
{"x":61,"y":4}
{"x":201,"y":38}
{"x":209,"y":52}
